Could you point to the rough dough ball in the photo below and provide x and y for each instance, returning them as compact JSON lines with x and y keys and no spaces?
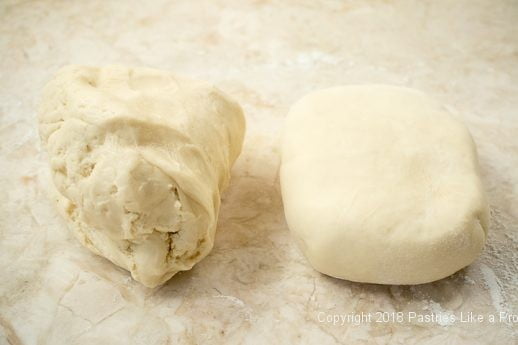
{"x":381,"y":185}
{"x":139,"y":158}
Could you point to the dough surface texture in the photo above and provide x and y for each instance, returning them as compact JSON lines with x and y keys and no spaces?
{"x":139,"y":158}
{"x":380,"y":184}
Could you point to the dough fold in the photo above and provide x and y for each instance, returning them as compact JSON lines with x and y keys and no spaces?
{"x":139,"y":158}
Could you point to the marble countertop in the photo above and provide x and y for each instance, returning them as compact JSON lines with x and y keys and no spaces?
{"x":256,"y":287}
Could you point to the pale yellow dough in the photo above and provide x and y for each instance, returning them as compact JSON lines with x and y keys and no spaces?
{"x":139,"y":158}
{"x":381,"y":185}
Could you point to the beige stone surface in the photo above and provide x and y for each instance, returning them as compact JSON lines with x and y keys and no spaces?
{"x":255,"y":287}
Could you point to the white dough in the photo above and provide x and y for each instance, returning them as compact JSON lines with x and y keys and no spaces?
{"x":139,"y":158}
{"x":381,"y":185}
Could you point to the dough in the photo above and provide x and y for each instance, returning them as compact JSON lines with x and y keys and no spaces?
{"x":381,"y":185}
{"x":139,"y":158}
